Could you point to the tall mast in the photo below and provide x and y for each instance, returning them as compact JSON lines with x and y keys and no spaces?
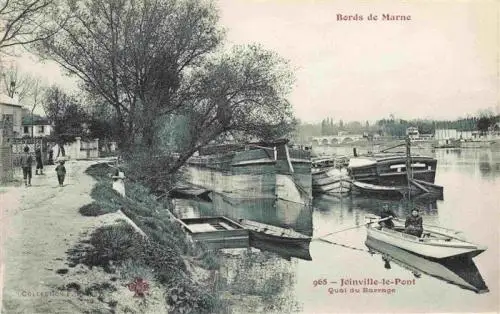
{"x":409,"y":173}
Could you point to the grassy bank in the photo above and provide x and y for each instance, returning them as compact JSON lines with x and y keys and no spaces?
{"x":166,"y":257}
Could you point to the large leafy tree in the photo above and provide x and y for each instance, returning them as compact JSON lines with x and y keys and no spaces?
{"x":240,"y":94}
{"x":66,"y":114}
{"x":484,"y":123}
{"x":134,"y":54}
{"x":158,"y":61}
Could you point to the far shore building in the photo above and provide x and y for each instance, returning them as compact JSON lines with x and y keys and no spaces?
{"x":453,"y":134}
{"x":412,"y":133}
{"x":446,"y":134}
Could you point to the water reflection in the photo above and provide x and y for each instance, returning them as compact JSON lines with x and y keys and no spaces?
{"x":258,"y":282}
{"x":284,"y":251}
{"x":460,"y":272}
{"x":272,"y":212}
{"x":374,"y":205}
{"x":484,"y":161}
{"x":471,"y":179}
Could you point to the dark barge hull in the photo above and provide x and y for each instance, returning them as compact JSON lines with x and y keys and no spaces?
{"x":391,"y":170}
{"x":416,"y":188}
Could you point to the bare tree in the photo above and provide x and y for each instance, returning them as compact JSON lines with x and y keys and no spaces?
{"x":22,"y":85}
{"x":24,"y":22}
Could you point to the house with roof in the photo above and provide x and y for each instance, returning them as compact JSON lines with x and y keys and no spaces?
{"x":11,"y":113}
{"x":36,"y":126}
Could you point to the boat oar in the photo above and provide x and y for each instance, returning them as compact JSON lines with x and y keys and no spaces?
{"x":355,"y":227}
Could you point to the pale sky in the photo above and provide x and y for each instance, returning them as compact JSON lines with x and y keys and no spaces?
{"x":441,"y":64}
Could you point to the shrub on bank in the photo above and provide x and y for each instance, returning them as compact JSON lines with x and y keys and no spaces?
{"x":92,"y":209}
{"x":119,"y":247}
{"x":160,"y":254}
{"x":151,"y":171}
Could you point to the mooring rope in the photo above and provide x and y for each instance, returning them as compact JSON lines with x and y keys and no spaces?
{"x":342,"y":245}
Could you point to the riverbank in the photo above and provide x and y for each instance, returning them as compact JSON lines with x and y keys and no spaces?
{"x":364,"y":146}
{"x":74,"y":250}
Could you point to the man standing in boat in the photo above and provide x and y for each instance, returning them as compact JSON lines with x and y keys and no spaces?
{"x":413,"y":224}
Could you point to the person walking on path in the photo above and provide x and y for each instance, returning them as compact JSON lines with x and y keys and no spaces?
{"x":61,"y":173}
{"x":26,"y":161}
{"x":39,"y":164}
{"x":51,"y":156}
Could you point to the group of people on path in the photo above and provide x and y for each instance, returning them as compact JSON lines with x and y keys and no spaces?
{"x":413,"y":223}
{"x":26,"y":165}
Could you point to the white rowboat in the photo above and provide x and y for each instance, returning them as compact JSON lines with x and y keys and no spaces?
{"x":435,"y":242}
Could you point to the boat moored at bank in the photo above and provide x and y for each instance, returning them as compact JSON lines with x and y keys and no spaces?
{"x":273,"y":234}
{"x":272,"y":169}
{"x":390,"y":169}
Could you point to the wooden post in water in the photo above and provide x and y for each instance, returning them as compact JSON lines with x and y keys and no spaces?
{"x":409,"y":173}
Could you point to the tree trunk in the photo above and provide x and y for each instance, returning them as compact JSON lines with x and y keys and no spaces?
{"x":182,"y":159}
{"x":126,"y":137}
{"x":148,"y":135}
{"x":186,"y":155}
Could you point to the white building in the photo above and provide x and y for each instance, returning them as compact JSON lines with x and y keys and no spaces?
{"x":467,"y":135}
{"x":40,"y":126}
{"x":446,"y":134}
{"x":412,"y":133}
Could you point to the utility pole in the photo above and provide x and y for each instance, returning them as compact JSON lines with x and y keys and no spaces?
{"x":32,"y":122}
{"x":35,"y":96}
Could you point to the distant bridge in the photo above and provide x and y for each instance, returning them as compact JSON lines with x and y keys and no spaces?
{"x":335,"y":139}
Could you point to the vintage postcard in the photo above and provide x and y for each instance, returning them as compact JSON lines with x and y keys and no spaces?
{"x":249,"y":156}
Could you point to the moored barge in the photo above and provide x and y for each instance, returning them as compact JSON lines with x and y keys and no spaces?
{"x":271,"y":169}
{"x":390,"y":169}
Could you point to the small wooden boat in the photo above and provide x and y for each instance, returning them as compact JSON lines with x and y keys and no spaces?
{"x":325,"y":162}
{"x":459,"y":272}
{"x":216,"y":232}
{"x":264,"y":232}
{"x":447,"y":144}
{"x":435,"y":242}
{"x":330,"y":180}
{"x":190,"y":192}
{"x":332,"y":187}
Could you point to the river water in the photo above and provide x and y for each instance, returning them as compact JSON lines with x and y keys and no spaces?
{"x":310,"y":282}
